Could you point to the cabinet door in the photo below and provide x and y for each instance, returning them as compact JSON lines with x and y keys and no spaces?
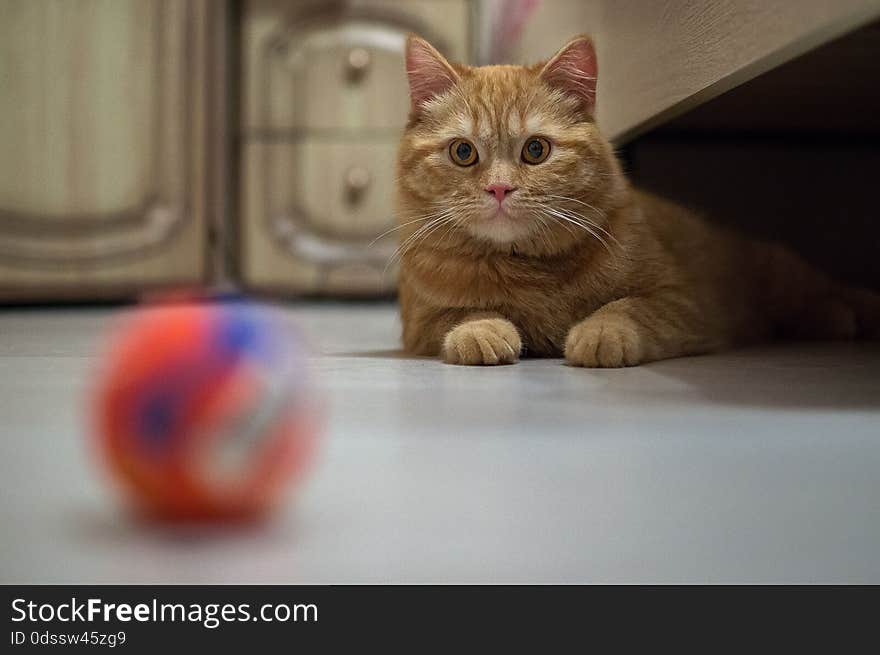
{"x":103,"y":180}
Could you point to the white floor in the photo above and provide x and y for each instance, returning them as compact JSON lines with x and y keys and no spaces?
{"x":755,"y":466}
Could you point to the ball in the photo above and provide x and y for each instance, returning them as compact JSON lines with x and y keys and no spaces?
{"x":203,"y":409}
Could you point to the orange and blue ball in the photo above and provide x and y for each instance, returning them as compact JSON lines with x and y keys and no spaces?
{"x":204,"y":410}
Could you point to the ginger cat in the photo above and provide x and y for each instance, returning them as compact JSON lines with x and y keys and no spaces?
{"x":520,"y":234}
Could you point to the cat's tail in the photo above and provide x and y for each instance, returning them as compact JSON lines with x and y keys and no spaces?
{"x":810,"y":305}
{"x":865,"y":306}
{"x":841,"y":313}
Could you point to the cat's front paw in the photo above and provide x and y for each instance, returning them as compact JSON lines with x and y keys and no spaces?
{"x":484,"y":342}
{"x":605,"y":342}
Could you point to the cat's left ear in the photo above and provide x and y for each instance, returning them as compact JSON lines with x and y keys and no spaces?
{"x":428,"y":71}
{"x":573,"y":70}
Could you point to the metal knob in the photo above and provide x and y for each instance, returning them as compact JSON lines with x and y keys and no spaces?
{"x":357,"y":63}
{"x":357,"y":180}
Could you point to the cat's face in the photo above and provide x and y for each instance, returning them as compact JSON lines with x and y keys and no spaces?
{"x":504,"y":155}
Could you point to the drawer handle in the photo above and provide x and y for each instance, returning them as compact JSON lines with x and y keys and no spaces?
{"x":357,"y":181}
{"x":357,"y":63}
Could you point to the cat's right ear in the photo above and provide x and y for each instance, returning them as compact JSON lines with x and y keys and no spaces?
{"x":428,"y":72}
{"x":573,"y":71}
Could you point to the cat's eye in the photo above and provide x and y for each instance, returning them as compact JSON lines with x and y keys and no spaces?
{"x":463,"y":152}
{"x":536,"y":150}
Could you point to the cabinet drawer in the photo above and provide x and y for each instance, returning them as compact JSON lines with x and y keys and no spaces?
{"x":311,"y":209}
{"x":336,"y":187}
{"x":330,"y":66}
{"x":345,"y":76}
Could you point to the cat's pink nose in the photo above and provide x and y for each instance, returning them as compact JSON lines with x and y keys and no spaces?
{"x":500,"y":191}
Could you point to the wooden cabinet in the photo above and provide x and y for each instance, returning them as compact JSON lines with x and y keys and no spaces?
{"x":104,"y":145}
{"x":324,"y":100}
{"x":114,"y":165}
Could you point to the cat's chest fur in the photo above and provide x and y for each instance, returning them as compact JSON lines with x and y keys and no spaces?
{"x":542,"y":297}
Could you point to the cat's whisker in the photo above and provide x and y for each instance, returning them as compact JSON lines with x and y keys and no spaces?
{"x":586,"y":219}
{"x":538,"y":209}
{"x":597,"y":211}
{"x":433,"y":220}
{"x":588,"y":228}
{"x":545,"y":232}
{"x":539,"y":212}
{"x":457,"y":212}
{"x":453,"y":224}
{"x":398,"y":227}
{"x":435,"y":229}
{"x":419,"y":232}
{"x":577,"y":215}
{"x":597,"y":227}
{"x":405,"y":248}
{"x":570,"y":199}
{"x":449,"y":214}
{"x":566,"y":223}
